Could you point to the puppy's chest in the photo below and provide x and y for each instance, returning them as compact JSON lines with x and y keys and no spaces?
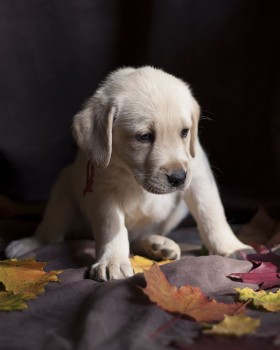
{"x":148,"y":210}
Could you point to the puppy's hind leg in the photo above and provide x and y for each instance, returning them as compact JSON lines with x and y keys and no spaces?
{"x":156,"y":247}
{"x":57,"y":219}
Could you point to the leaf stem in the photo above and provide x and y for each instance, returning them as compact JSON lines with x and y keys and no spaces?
{"x":237,"y":311}
{"x":165,"y":326}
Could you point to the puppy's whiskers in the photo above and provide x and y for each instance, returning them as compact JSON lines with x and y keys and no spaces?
{"x":143,"y":175}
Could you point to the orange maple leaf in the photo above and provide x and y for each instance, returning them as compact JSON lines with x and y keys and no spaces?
{"x":186,"y":300}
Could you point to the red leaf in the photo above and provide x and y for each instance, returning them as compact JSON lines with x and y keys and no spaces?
{"x":265,"y":271}
{"x":266,"y":281}
{"x":267,"y":256}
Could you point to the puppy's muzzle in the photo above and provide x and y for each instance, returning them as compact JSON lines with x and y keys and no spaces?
{"x":177,"y":178}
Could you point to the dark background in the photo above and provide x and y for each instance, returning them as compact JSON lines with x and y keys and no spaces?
{"x":54,"y":53}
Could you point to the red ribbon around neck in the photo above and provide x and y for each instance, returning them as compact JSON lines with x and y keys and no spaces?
{"x":90,"y":178}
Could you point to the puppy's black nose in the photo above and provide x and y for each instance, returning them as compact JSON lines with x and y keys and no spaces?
{"x":177,"y":178}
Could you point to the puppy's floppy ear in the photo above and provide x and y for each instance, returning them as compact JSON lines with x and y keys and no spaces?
{"x":92,"y":129}
{"x":194,"y":128}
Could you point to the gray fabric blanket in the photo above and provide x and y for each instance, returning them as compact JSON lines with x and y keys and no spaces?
{"x":78,"y":313}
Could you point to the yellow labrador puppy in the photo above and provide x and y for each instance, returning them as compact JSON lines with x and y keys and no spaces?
{"x":139,"y":131}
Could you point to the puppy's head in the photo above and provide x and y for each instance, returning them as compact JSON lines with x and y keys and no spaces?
{"x":145,"y":121}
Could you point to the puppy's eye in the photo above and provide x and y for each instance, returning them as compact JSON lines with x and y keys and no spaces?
{"x":184,"y":133}
{"x":145,"y":138}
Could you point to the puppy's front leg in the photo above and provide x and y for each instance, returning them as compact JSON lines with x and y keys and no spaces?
{"x":204,"y":202}
{"x":112,"y":245}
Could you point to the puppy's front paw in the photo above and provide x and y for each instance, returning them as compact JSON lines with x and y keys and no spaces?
{"x":107,"y":269}
{"x":161,"y":248}
{"x":21,"y":246}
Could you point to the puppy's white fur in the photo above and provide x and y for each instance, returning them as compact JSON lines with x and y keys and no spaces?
{"x":134,"y":130}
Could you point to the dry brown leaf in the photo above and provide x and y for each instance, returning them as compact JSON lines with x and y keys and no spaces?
{"x":260,"y":229}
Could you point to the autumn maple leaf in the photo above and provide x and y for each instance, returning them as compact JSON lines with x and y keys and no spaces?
{"x":186,"y":300}
{"x":265,"y":270}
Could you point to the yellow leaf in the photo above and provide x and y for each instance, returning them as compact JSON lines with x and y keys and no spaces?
{"x":268,"y":300}
{"x":236,"y":325}
{"x":247,"y":293}
{"x":23,"y":280}
{"x":9,"y":302}
{"x":139,"y":263}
